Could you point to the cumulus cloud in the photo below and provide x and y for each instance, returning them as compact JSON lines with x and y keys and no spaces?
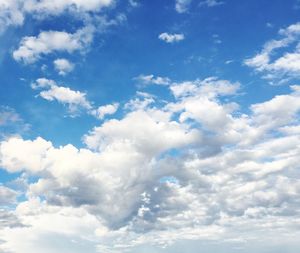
{"x":31,"y":48}
{"x":191,"y":168}
{"x":279,"y":59}
{"x":171,"y":38}
{"x":63,"y":66}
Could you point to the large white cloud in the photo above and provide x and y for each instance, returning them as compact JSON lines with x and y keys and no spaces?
{"x":164,"y":173}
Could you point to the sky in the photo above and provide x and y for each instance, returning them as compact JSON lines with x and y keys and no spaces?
{"x":149,"y":126}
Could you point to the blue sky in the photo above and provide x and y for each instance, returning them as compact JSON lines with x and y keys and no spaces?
{"x":149,"y":126}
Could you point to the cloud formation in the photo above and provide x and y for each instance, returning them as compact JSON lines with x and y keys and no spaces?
{"x":194,"y":167}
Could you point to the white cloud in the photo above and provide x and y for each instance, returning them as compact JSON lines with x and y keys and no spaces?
{"x":276,"y":65}
{"x":151,"y":79}
{"x":65,"y":95}
{"x":104,"y":110}
{"x":134,"y":3}
{"x":43,"y":83}
{"x":75,"y":100}
{"x":7,"y":196}
{"x":18,"y":155}
{"x":171,"y":38}
{"x":8,"y":116}
{"x":211,"y":3}
{"x":32,"y":48}
{"x":11,"y":122}
{"x":63,"y":66}
{"x":10,"y":14}
{"x":58,"y":6}
{"x":182,"y":6}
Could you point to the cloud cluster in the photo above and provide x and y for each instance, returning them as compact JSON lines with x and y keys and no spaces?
{"x":279,"y":59}
{"x":191,"y":168}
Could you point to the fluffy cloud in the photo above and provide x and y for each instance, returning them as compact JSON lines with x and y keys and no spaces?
{"x":10,"y":13}
{"x":171,"y":38}
{"x":275,"y":64}
{"x":63,"y":66}
{"x":33,"y":47}
{"x":191,"y":169}
{"x":104,"y":110}
{"x":75,"y":100}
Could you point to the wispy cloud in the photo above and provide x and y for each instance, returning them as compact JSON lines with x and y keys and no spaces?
{"x":279,"y":59}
